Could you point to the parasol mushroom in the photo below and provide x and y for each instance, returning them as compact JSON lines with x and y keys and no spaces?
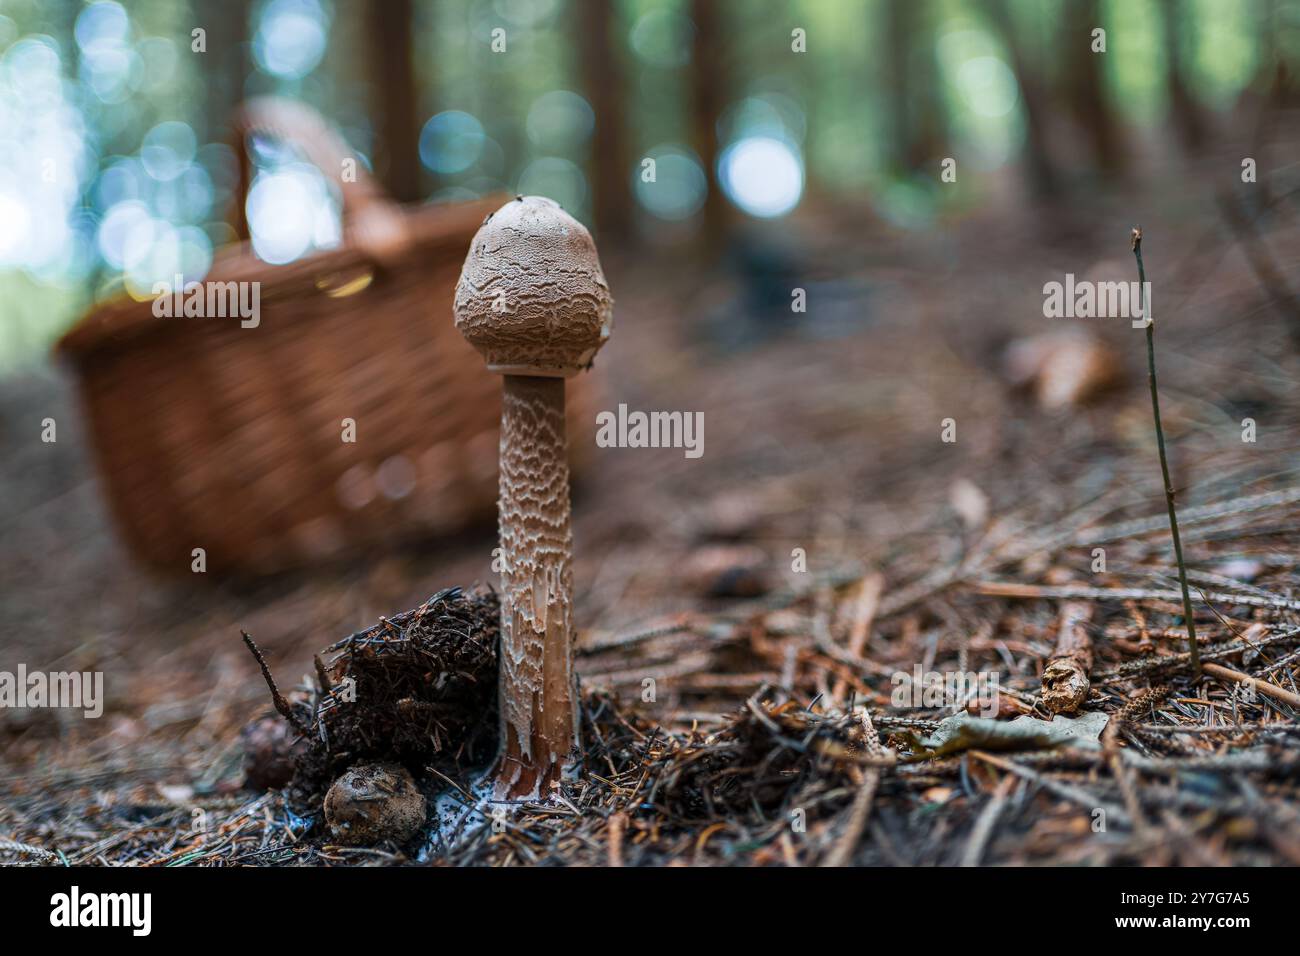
{"x":533,"y":300}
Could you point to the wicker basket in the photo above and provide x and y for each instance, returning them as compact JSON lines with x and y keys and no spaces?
{"x":210,"y":435}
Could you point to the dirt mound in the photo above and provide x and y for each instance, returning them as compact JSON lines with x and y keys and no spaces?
{"x":418,"y":689}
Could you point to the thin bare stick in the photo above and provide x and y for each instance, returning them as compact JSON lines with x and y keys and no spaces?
{"x":281,"y":704}
{"x":616,"y":824}
{"x":979,"y":834}
{"x":860,"y":810}
{"x":326,"y":685}
{"x":1123,"y":778}
{"x":1063,"y":790}
{"x":1014,"y":589}
{"x":1164,"y":461}
{"x":1264,"y":687}
{"x":1219,"y":509}
{"x":865,"y":611}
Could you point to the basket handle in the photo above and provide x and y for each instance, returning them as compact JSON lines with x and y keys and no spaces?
{"x":371,"y":220}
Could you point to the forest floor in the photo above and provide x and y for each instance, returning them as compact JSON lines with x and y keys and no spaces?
{"x":827,"y":541}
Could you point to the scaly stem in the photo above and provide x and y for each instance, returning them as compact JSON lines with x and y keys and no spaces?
{"x":539,"y":716}
{"x":1164,"y":461}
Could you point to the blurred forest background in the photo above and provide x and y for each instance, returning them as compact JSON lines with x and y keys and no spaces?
{"x":117,"y":169}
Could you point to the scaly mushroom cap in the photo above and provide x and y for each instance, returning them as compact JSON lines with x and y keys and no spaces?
{"x":532,"y":297}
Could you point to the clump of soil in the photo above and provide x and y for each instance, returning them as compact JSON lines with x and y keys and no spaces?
{"x":271,"y":750}
{"x":418,"y":689}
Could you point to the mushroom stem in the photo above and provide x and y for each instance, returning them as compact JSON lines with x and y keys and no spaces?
{"x":539,"y":739}
{"x":533,"y":300}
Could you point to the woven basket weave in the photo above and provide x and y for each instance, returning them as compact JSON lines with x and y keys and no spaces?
{"x":209,"y":435}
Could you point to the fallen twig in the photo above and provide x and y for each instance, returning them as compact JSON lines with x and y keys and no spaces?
{"x":1264,"y":687}
{"x":277,"y":698}
{"x":984,"y":824}
{"x":860,"y":810}
{"x":864,"y":613}
{"x":1012,"y":589}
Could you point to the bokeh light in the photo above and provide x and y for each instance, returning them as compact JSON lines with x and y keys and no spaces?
{"x":109,"y":65}
{"x":557,"y":178}
{"x":988,"y":85}
{"x":124,"y":223}
{"x":679,"y":188}
{"x":451,"y":142}
{"x":988,"y":123}
{"x":559,"y":121}
{"x":168,"y":150}
{"x":291,"y":38}
{"x":290,"y":212}
{"x":15,"y":224}
{"x":110,"y":172}
{"x":662,"y":38}
{"x":103,"y":23}
{"x":768,"y":114}
{"x":44,"y":159}
{"x":762,"y":175}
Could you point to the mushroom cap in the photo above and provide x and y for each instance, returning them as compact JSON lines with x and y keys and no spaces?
{"x":374,"y":803}
{"x":532,"y":297}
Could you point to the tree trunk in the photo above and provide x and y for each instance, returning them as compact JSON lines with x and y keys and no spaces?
{"x":916,"y":114}
{"x":224,"y":66}
{"x":1085,"y":86}
{"x":1182,"y":103}
{"x":393,"y":98}
{"x":1044,"y":183}
{"x":602,"y":77}
{"x":706,"y":97}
